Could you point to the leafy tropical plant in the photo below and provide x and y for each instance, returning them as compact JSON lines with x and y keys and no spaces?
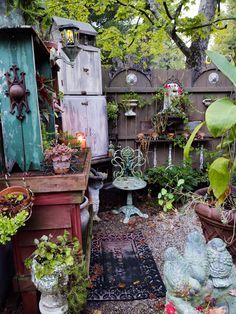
{"x":65,"y":254}
{"x":220,"y":119}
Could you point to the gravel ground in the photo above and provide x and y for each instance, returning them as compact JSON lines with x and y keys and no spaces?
{"x":160,"y":231}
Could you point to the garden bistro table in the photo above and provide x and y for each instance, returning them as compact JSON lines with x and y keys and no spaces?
{"x":128,"y":178}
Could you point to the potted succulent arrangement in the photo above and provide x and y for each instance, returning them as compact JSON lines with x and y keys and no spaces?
{"x":59,"y":272}
{"x":217,"y":211}
{"x":60,"y":156}
{"x":15,"y":208}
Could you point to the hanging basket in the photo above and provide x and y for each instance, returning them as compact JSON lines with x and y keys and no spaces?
{"x":25,"y":204}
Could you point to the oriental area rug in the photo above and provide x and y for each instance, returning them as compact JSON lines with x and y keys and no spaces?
{"x":122,"y":268}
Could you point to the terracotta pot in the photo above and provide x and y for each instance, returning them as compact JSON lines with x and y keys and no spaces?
{"x":61,"y":167}
{"x":73,"y":141}
{"x":26,"y":202}
{"x":213,"y":227}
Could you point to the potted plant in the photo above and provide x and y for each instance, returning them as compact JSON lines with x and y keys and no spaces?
{"x":130,"y":101}
{"x":60,"y":156}
{"x":175,"y":104}
{"x":217,"y":213}
{"x":59,"y":272}
{"x":15,"y":208}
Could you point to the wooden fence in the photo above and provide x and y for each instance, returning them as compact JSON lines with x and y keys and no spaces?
{"x":126,"y":128}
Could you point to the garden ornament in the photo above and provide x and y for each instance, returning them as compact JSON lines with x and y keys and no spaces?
{"x":17,"y":92}
{"x":95,"y":184}
{"x":220,"y":262}
{"x":195,"y":254}
{"x":172,"y":90}
{"x":204,"y":272}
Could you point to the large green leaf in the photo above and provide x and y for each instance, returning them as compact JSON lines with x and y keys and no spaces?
{"x":190,"y":140}
{"x":221,"y":116}
{"x":228,"y":69}
{"x":219,"y":176}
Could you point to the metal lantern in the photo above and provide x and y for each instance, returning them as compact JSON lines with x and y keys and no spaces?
{"x":70,"y":40}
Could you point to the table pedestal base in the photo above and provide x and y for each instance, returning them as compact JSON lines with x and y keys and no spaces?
{"x":129,"y":209}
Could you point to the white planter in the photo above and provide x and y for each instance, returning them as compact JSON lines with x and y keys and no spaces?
{"x":51,"y":300}
{"x":84,"y":214}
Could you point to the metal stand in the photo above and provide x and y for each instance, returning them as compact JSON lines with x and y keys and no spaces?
{"x":129,"y":209}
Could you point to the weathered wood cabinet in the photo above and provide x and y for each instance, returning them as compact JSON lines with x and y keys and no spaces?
{"x":87,"y":114}
{"x":56,"y":208}
{"x":83,"y":103}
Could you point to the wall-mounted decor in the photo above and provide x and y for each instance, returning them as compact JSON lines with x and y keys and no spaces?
{"x":17,"y":92}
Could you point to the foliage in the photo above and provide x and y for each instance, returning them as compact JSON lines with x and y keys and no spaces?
{"x":141,"y":102}
{"x":220,"y":120}
{"x":59,"y":152}
{"x":163,"y":177}
{"x":112,"y":110}
{"x":224,"y":41}
{"x":165,"y":199}
{"x":10,"y":224}
{"x":13,"y":214}
{"x":64,"y":254}
{"x":45,"y":137}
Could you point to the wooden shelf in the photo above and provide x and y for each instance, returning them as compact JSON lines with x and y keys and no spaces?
{"x":207,"y":139}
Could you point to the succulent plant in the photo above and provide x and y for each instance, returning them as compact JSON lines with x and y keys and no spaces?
{"x":59,"y":152}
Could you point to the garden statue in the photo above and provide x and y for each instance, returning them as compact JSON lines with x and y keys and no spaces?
{"x":202,"y":277}
{"x":95,"y":184}
{"x":171,"y":90}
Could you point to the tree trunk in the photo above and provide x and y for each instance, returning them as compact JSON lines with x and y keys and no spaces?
{"x":197,"y":51}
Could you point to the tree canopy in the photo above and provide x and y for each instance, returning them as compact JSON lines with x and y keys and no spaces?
{"x":142,"y":27}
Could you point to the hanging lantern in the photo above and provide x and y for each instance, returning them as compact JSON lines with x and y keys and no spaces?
{"x":70,"y":40}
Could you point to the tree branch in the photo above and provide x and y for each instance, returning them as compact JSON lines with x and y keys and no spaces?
{"x":208,"y":24}
{"x":167,"y":11}
{"x":143,"y":12}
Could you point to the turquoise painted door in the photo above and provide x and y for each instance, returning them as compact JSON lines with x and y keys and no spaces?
{"x":22,"y":141}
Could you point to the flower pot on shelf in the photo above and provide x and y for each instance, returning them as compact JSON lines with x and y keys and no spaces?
{"x":212,"y":225}
{"x":174,"y":123}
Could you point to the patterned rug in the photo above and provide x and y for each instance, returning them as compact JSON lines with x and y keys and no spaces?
{"x":122,"y":268}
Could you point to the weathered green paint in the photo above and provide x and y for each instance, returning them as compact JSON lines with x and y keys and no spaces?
{"x":22,"y":140}
{"x":44,"y":70}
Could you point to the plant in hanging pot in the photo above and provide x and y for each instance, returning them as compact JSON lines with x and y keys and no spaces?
{"x":60,"y":156}
{"x":59,"y":272}
{"x":218,"y":209}
{"x":15,"y":208}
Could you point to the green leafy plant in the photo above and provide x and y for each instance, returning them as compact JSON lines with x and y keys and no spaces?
{"x":112,"y":110}
{"x":141,"y":102}
{"x":163,"y":177}
{"x":220,"y":119}
{"x":13,"y":214}
{"x":62,"y":253}
{"x":165,"y":199}
{"x":9,"y":224}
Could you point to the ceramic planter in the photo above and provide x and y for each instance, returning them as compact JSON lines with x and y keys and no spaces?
{"x":84,"y":214}
{"x":61,"y":167}
{"x":130,"y":104}
{"x":51,"y":300}
{"x":213,"y":227}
